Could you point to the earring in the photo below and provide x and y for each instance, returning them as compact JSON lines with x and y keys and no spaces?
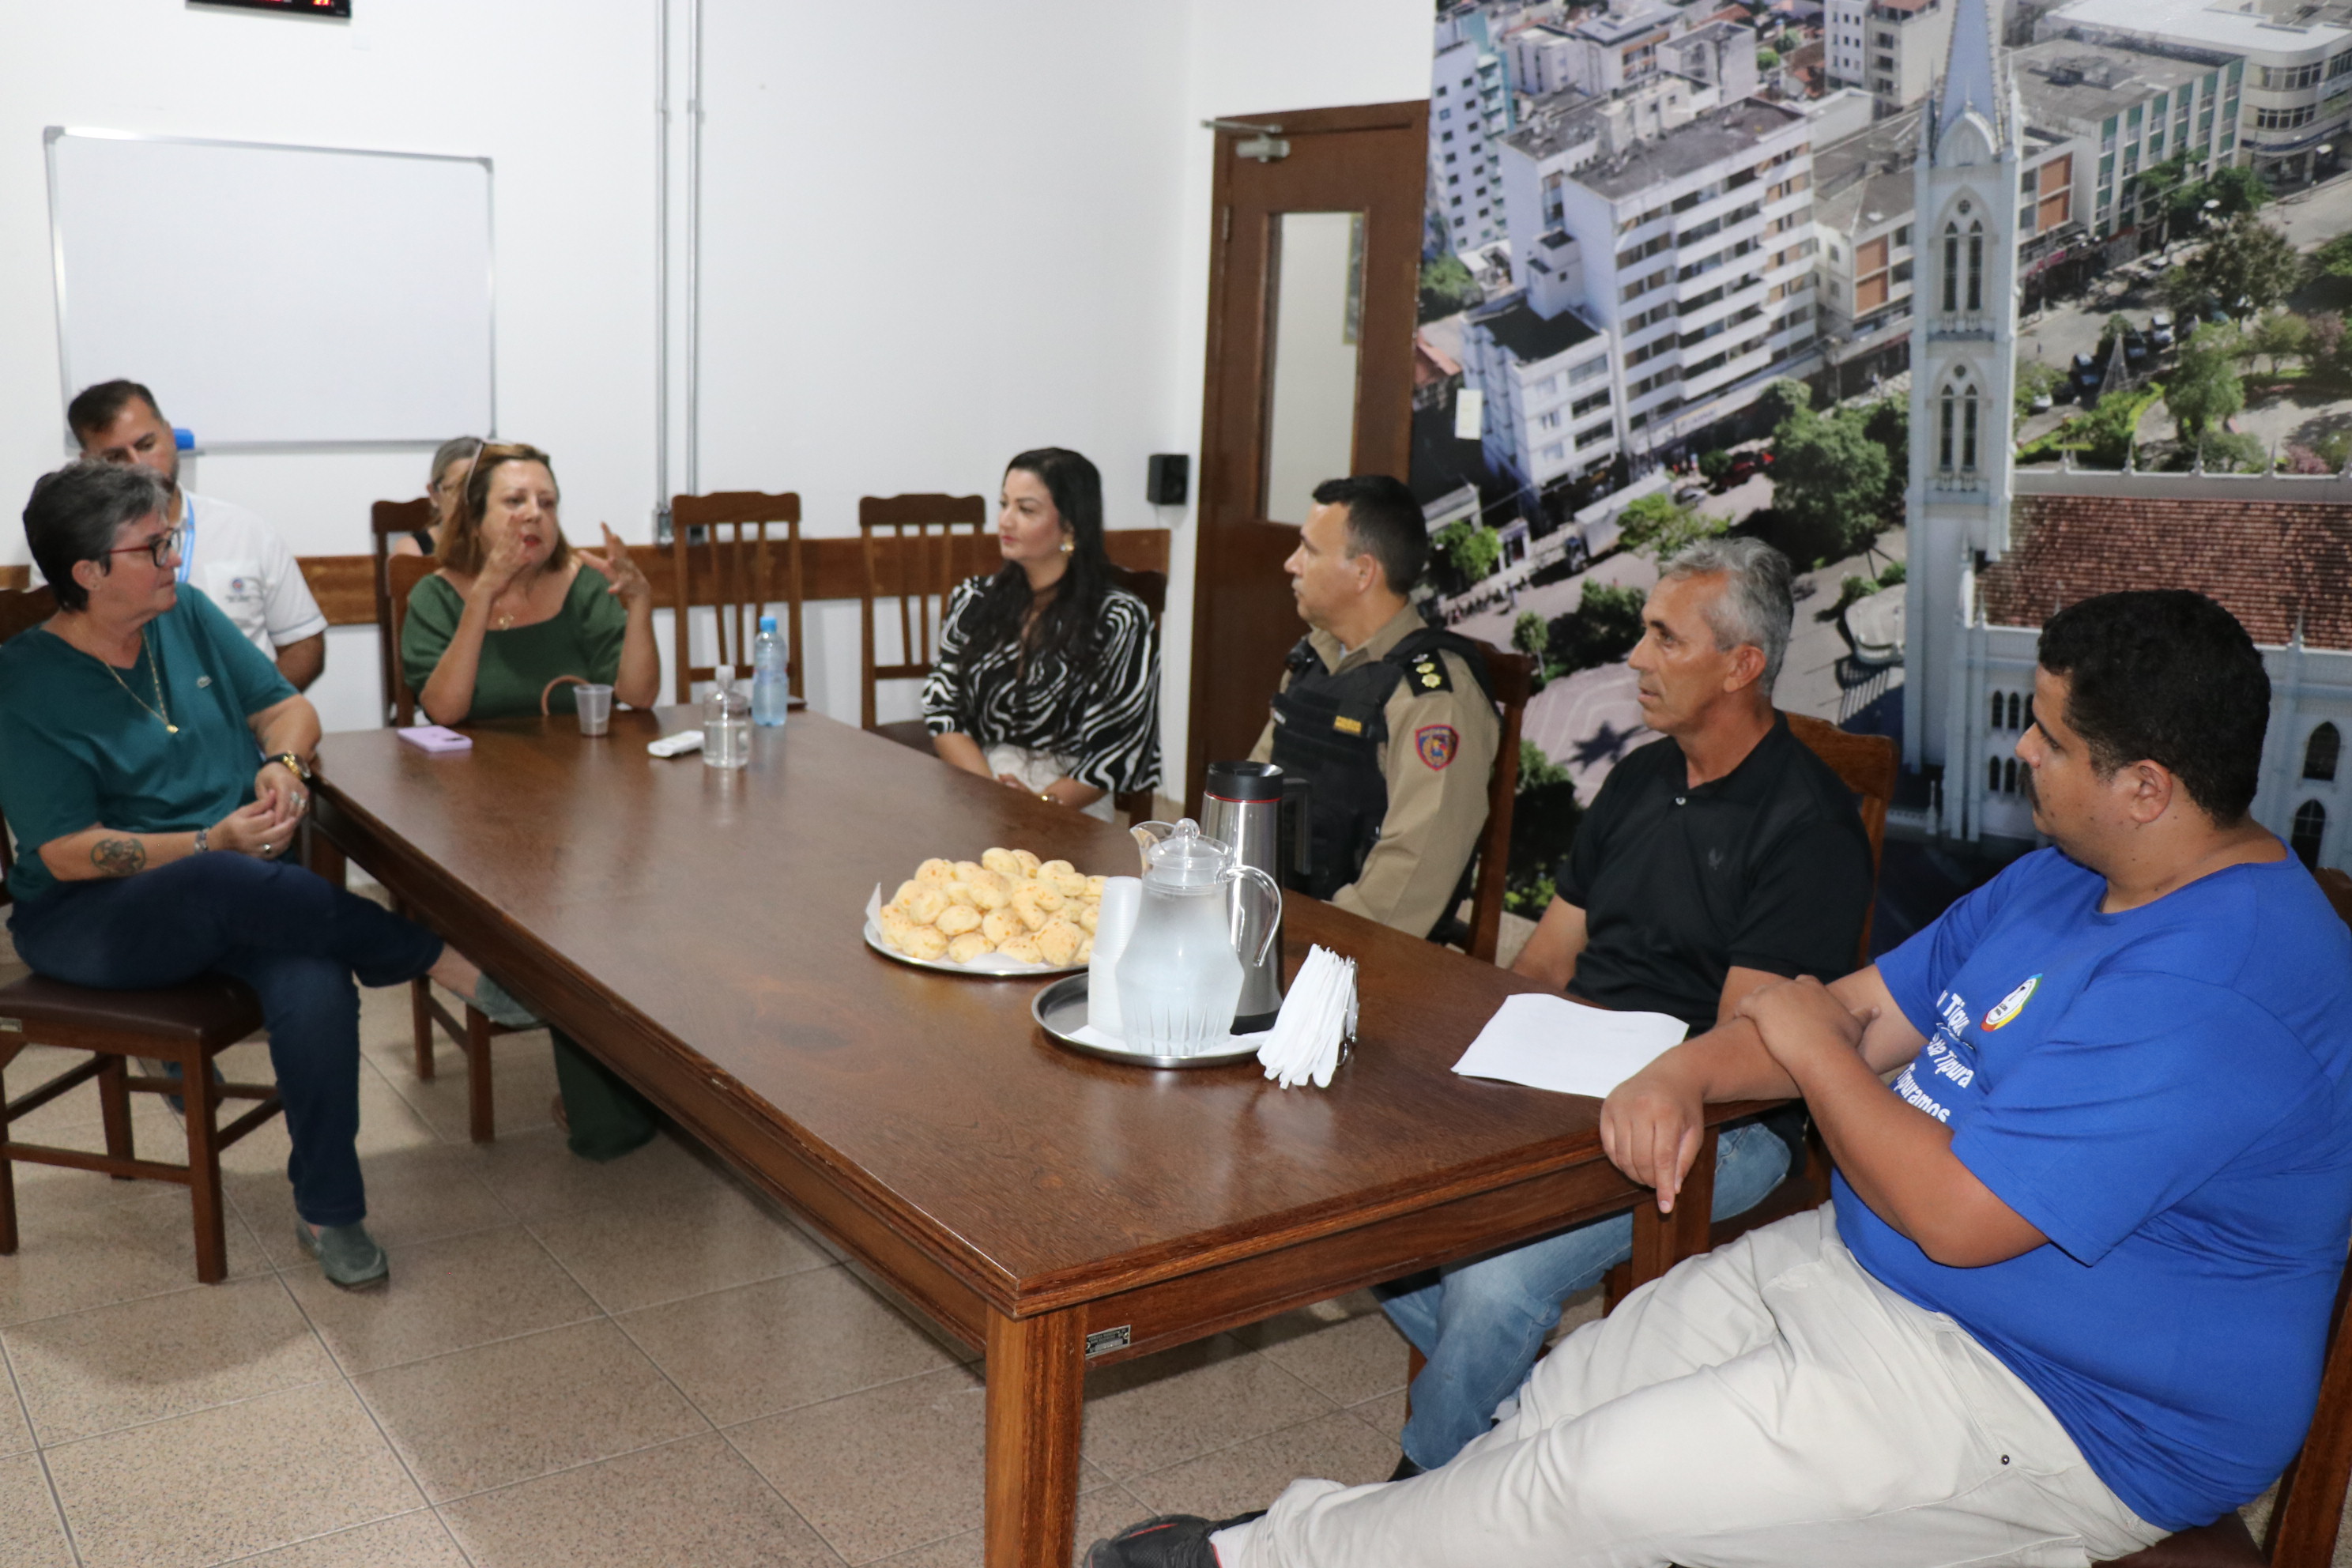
{"x":1067,"y":546}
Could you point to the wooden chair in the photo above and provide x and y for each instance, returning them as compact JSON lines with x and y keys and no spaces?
{"x":733,"y":570}
{"x":387,"y":521}
{"x":1512,"y":674}
{"x":1868,"y":764}
{"x":189,"y":1025}
{"x":473,"y":1033}
{"x":402,"y":573}
{"x":915,"y":547}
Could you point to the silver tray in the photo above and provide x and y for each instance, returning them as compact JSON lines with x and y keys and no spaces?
{"x":977,"y":971}
{"x":1061,"y":1008}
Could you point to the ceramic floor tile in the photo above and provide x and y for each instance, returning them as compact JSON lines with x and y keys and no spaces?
{"x":882,"y":1471}
{"x":30,"y":1533}
{"x":93,"y":1372}
{"x":415,"y":1540}
{"x":229,"y":1481}
{"x":16,"y":1433}
{"x":763,"y":1348}
{"x":67,"y":1261}
{"x":536,"y":1177}
{"x":414,"y":1193}
{"x":1350,"y":1361}
{"x":693,"y":1503}
{"x":75,"y":1120}
{"x":1149,"y":1413}
{"x":1101,"y":1512}
{"x":507,"y":1412}
{"x":1384,"y":1415}
{"x":664,"y":1251}
{"x":522,"y":1083}
{"x":1251,"y":1475}
{"x":445,"y":1295}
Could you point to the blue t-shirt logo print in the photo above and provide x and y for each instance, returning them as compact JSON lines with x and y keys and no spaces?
{"x":2010,"y":1005}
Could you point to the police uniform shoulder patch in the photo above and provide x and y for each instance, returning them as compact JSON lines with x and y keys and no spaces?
{"x":1437,"y":744}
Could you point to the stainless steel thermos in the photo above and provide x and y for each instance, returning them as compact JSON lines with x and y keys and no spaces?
{"x":1243,"y":806}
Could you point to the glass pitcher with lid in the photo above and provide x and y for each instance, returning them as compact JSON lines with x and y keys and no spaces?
{"x":1180,"y":976}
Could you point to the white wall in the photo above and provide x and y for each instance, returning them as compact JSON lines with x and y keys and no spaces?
{"x":932,"y":237}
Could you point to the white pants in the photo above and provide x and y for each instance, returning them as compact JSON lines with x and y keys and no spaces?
{"x":1036,"y":770}
{"x":1769,"y":1404}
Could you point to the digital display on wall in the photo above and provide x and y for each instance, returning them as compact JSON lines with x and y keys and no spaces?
{"x":297,"y":7}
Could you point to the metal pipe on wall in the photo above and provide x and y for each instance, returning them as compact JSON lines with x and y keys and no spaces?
{"x":661,"y":271}
{"x":694,"y":248}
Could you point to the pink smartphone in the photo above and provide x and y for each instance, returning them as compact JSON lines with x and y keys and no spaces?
{"x":436,"y":738}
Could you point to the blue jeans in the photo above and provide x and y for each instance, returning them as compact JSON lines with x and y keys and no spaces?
{"x":297,"y":941}
{"x":1482,"y":1322}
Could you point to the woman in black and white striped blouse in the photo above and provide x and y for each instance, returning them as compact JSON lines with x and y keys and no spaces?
{"x":1047,"y":677}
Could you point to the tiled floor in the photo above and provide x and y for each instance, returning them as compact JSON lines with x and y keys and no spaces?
{"x":573,"y":1364}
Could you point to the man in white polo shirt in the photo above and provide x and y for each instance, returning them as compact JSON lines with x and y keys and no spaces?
{"x":238,"y":560}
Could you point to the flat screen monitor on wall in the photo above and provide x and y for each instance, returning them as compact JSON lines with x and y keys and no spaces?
{"x":277,"y":297}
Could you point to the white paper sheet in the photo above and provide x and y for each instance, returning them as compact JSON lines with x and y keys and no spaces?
{"x":1550,"y":1042}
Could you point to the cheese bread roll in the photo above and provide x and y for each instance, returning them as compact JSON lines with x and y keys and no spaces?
{"x":956,"y":919}
{"x":1022,"y":949}
{"x":1028,"y":862}
{"x":935,"y":871}
{"x":925,"y":941}
{"x":967,"y":947}
{"x":1002,"y":862}
{"x":923,"y":905}
{"x":1060,"y":940}
{"x":1000,"y":926}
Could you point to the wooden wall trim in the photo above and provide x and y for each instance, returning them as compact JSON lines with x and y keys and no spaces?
{"x":835,"y":568}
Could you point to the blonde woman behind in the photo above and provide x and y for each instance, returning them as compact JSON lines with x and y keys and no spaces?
{"x":451,"y":464}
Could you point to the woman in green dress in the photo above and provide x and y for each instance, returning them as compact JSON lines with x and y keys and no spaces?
{"x":513,"y":607}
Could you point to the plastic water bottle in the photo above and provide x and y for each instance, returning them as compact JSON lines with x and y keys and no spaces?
{"x":769,"y":685}
{"x":726,"y":723}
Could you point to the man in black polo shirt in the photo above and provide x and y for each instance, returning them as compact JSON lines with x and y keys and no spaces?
{"x":1721,"y":859}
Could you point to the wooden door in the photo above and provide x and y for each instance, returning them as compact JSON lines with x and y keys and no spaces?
{"x":1313,"y":276}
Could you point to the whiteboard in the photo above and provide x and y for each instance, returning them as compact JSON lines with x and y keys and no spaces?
{"x":277,"y":296}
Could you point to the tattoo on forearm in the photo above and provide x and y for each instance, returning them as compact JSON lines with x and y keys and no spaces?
{"x":118,"y":856}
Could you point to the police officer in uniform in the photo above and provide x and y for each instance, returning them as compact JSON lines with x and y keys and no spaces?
{"x":1387,"y":718}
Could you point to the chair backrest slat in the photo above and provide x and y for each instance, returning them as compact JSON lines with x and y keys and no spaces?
{"x":1867,"y":764}
{"x":401,"y":578}
{"x":387,"y":521}
{"x":732,"y":568}
{"x":1512,"y":674}
{"x":915,"y":547}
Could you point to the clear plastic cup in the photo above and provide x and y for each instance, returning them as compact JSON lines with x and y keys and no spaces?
{"x":595,"y":704}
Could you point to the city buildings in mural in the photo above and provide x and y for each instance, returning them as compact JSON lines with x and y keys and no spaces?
{"x":1990,"y":247}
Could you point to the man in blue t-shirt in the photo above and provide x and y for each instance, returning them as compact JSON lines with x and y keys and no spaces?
{"x":2072,"y":1293}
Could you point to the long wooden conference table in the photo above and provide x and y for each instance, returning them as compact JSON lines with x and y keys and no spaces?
{"x":698,"y":931}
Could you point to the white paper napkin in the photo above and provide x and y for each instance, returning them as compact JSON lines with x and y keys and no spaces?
{"x":1550,"y":1042}
{"x":1317,"y":1014}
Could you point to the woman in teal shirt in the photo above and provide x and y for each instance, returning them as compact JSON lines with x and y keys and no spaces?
{"x":513,"y":608}
{"x":133,"y":729}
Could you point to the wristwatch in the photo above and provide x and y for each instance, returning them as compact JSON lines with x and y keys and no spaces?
{"x":293,"y":763}
{"x":203,"y":838}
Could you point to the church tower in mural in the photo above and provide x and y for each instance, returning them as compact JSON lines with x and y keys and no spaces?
{"x":1963,"y":349}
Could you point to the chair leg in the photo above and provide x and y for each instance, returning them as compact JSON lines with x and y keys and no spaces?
{"x":114,"y":1109}
{"x":202,"y":1100}
{"x":8,"y":1169}
{"x":481,"y":1115}
{"x":420,"y":1008}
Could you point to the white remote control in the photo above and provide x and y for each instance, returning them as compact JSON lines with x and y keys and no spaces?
{"x":676,"y":745}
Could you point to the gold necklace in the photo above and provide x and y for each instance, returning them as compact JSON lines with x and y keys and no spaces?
{"x":162,"y":710}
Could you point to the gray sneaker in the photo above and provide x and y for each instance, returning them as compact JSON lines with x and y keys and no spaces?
{"x":347,"y":1256}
